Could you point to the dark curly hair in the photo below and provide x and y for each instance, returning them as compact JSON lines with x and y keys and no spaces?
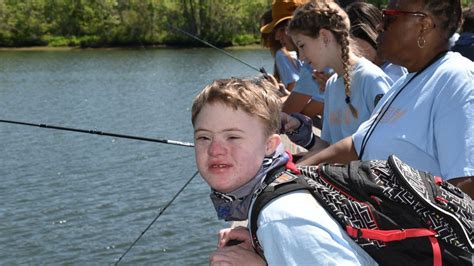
{"x":448,"y":12}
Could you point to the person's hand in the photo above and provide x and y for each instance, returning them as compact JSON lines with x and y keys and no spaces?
{"x":303,"y":134}
{"x":237,"y":234}
{"x":235,"y":255}
{"x":321,"y":78}
{"x":289,"y":123}
{"x":280,"y":86}
{"x":240,"y":254}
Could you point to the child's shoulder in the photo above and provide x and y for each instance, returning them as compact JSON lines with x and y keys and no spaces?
{"x":366,"y":70}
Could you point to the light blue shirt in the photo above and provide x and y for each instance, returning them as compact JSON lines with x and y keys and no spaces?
{"x":393,"y":71}
{"x":307,"y":85}
{"x":430,"y":125}
{"x":368,"y":82}
{"x":287,"y":68}
{"x":295,"y":230}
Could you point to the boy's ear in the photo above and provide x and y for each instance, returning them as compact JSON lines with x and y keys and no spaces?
{"x":272,"y":143}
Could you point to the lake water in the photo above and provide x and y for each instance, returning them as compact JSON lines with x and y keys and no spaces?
{"x":73,"y":198}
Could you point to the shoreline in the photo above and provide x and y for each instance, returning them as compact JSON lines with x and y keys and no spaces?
{"x":151,"y":47}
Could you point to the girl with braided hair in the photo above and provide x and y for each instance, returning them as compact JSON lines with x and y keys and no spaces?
{"x":320,"y":30}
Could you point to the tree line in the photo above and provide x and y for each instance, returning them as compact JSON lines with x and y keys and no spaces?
{"x":100,"y":23}
{"x":96,"y":23}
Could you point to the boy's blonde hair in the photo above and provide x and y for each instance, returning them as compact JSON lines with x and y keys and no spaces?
{"x":257,"y":97}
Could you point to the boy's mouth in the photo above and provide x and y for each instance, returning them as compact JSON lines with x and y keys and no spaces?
{"x":219,"y":166}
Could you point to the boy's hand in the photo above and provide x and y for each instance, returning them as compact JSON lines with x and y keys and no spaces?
{"x":239,"y":254}
{"x":235,"y":255}
{"x":238,"y":234}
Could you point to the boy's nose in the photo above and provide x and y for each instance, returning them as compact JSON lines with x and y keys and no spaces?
{"x":216,"y":148}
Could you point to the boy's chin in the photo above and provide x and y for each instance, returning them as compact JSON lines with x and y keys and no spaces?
{"x":222,"y":189}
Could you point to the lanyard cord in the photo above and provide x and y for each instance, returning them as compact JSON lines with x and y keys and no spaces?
{"x":387,"y":105}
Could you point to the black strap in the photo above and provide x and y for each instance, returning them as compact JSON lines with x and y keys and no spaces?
{"x":275,"y":191}
{"x":267,"y":195}
{"x":387,"y":105}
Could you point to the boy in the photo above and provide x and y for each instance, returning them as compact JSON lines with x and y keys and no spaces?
{"x":236,"y":124}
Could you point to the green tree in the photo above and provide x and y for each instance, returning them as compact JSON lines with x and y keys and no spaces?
{"x":128,"y":22}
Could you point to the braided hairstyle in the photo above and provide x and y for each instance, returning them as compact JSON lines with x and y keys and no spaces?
{"x":448,"y":12}
{"x":310,"y":18}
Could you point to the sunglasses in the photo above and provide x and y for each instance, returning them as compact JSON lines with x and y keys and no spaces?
{"x":389,"y":15}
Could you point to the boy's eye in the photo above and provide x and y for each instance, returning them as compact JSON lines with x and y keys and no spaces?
{"x":301,"y":46}
{"x":202,"y":138}
{"x":234,"y":137}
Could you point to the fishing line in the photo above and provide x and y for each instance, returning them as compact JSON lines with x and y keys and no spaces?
{"x":156,"y":218}
{"x":261,"y":70}
{"x":97,"y":132}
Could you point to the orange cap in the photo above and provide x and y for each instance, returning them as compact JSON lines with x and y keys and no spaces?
{"x":281,"y":10}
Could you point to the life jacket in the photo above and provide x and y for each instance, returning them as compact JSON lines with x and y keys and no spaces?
{"x":397,"y":214}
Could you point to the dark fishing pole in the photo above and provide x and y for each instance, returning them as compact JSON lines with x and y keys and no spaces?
{"x":261,"y":70}
{"x":156,"y":218}
{"x":97,"y":132}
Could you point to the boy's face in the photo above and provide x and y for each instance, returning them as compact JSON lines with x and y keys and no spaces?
{"x":230,"y":146}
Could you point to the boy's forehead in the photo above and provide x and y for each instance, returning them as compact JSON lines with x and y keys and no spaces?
{"x":225,"y":115}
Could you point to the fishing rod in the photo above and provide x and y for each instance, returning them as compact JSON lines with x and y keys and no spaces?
{"x":156,"y":218}
{"x":97,"y":132}
{"x":261,"y":70}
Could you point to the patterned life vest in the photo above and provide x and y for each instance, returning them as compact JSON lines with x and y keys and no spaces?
{"x":398,"y":214}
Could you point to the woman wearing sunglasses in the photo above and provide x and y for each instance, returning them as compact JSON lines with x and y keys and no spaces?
{"x":427,"y":118}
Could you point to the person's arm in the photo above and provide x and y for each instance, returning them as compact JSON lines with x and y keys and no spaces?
{"x":342,"y":151}
{"x":318,"y":145}
{"x":466,"y":184}
{"x":313,"y":108}
{"x":295,"y":102}
{"x":290,"y":86}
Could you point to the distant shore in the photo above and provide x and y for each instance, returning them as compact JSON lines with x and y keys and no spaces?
{"x":67,"y":48}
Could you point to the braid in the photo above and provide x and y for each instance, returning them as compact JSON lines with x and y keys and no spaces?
{"x":310,"y":18}
{"x":347,"y":77}
{"x":342,"y":37}
{"x":449,"y":13}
